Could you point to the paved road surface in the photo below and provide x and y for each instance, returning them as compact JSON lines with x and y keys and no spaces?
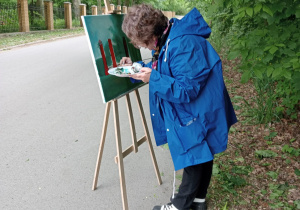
{"x":51,"y":114}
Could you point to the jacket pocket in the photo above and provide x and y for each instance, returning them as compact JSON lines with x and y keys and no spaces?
{"x":191,"y":134}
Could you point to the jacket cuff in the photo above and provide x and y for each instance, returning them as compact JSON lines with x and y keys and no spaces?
{"x":135,"y":80}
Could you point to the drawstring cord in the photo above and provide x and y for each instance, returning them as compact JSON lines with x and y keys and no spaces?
{"x":166,"y":50}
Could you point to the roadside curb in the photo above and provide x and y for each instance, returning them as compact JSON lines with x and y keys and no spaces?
{"x":40,"y":41}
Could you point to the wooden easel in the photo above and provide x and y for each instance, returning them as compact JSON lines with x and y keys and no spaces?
{"x":108,"y":10}
{"x":134,"y":147}
{"x":135,"y":143}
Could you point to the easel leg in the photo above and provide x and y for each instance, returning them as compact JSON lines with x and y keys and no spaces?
{"x":101,"y":146}
{"x":120,"y":156}
{"x":132,"y":126}
{"x":106,"y":3}
{"x":148,"y":137}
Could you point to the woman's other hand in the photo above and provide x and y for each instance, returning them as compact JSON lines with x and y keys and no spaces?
{"x":143,"y":75}
{"x":126,"y":61}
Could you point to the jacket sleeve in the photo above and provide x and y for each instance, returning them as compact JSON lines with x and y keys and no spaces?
{"x":145,"y":64}
{"x":189,"y":67}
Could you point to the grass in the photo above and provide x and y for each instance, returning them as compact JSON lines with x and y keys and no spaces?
{"x":260,"y":169}
{"x":8,"y":41}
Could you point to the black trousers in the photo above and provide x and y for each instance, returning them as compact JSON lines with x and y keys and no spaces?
{"x":195,"y":182}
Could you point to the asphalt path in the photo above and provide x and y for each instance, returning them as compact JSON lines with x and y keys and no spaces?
{"x":51,"y":117}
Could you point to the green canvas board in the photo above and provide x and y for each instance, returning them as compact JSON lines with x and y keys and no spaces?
{"x":104,"y":27}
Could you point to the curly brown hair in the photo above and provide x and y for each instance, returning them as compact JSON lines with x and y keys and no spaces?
{"x":142,"y":23}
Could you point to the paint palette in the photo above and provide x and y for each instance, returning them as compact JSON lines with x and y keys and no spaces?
{"x":125,"y":71}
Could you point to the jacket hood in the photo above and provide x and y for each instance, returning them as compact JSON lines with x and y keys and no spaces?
{"x":191,"y":24}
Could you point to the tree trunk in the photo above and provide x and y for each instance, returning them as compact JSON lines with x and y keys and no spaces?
{"x":40,"y":7}
{"x":75,"y":5}
{"x":99,"y":7}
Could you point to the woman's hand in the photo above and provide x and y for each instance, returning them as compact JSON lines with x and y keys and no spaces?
{"x":143,"y":75}
{"x":126,"y":61}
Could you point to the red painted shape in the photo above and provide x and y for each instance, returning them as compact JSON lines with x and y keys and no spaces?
{"x":111,"y":49}
{"x":103,"y":57}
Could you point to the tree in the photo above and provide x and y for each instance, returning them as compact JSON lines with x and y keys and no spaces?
{"x":99,"y":7}
{"x":76,"y":7}
{"x":40,"y":5}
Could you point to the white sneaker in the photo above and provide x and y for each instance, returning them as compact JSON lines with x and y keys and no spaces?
{"x":169,"y":206}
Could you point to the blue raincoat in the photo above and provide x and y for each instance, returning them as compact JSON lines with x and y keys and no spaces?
{"x":189,"y":105}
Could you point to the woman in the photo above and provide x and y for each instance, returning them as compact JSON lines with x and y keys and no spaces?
{"x":189,"y":104}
